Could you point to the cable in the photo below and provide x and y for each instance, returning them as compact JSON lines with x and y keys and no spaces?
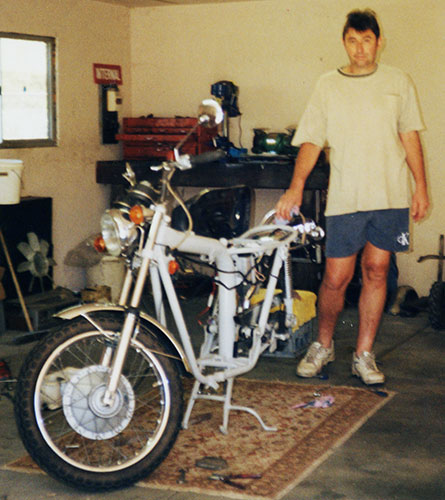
{"x":184,"y":207}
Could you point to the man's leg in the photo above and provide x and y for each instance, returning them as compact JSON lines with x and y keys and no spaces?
{"x":338,"y":274}
{"x":331,"y":297}
{"x":375,"y":265}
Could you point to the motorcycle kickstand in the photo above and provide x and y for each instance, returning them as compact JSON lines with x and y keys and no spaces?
{"x":228,"y":406}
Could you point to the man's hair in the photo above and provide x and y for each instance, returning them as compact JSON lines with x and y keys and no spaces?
{"x":362,"y":20}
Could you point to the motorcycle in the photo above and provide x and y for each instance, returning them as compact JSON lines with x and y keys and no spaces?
{"x":99,"y":401}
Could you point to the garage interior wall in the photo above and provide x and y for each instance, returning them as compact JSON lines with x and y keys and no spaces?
{"x":86,"y":32}
{"x":273,"y":50}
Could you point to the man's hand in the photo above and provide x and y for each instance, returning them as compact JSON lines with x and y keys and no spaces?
{"x":419,"y":204}
{"x":287,"y":203}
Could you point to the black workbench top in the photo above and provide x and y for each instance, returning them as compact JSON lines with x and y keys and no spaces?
{"x":264,"y":172}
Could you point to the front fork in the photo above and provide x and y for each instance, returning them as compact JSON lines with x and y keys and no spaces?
{"x":132,"y":314}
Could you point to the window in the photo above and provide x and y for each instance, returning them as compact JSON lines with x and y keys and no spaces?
{"x":27,"y":97}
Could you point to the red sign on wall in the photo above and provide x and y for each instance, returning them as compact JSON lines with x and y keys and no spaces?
{"x":106,"y":74}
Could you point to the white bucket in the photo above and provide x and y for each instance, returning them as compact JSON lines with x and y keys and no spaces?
{"x":110,"y":272}
{"x":10,"y":181}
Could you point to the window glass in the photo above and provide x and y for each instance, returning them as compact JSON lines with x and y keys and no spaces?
{"x":27,"y":91}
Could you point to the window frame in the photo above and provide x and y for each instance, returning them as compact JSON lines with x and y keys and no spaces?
{"x":51,"y":99}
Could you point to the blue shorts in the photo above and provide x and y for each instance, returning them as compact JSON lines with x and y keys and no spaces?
{"x":386,"y":229}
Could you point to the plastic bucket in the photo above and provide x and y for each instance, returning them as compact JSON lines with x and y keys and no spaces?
{"x":110,"y":272}
{"x":10,"y":181}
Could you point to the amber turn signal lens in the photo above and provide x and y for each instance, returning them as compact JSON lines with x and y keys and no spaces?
{"x":173,"y":266}
{"x":137,"y":214}
{"x":99,"y":244}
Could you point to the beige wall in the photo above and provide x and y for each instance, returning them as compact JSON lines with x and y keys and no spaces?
{"x":87,"y":32}
{"x":274,"y":50}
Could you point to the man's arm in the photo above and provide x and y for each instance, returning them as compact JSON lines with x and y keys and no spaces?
{"x":306,"y":159}
{"x":414,"y":158}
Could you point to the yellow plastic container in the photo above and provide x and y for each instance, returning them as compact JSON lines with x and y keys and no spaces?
{"x":304,"y":304}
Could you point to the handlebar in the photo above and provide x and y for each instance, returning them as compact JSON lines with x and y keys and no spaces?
{"x":207,"y":157}
{"x":298,"y":222}
{"x":185,"y":161}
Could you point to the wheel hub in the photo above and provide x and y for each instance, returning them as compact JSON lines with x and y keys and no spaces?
{"x":84,"y":408}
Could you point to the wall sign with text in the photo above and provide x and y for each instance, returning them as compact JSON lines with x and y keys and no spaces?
{"x":106,"y":74}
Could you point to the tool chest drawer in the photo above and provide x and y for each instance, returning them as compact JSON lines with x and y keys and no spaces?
{"x":156,"y":136}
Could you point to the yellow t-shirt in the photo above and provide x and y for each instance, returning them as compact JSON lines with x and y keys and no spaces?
{"x":359,"y":118}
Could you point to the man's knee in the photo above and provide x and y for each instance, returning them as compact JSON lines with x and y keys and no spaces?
{"x":375,"y":271}
{"x":338,"y":273}
{"x":375,"y":264}
{"x":336,"y":282}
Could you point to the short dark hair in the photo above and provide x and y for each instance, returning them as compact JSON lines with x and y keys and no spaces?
{"x":362,"y":20}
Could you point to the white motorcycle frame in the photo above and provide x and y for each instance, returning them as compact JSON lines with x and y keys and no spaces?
{"x":225,"y":256}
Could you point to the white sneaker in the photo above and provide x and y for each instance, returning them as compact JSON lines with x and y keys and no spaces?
{"x":364,"y":367}
{"x":316,"y":357}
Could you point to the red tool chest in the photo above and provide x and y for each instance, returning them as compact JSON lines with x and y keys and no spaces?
{"x":154,"y":137}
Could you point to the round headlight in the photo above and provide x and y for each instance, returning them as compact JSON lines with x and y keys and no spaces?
{"x":117,"y":231}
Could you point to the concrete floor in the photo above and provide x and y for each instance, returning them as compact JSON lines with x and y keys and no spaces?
{"x":399,"y":454}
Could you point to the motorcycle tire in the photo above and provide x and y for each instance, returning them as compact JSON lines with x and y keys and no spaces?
{"x":62,"y":420}
{"x":436,"y":306}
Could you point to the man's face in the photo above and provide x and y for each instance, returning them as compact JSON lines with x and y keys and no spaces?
{"x":361,"y":47}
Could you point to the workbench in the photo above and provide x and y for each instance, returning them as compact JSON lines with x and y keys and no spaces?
{"x":259,"y":172}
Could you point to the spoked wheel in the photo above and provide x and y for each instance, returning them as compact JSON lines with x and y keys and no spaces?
{"x":62,"y":418}
{"x":436,"y":305}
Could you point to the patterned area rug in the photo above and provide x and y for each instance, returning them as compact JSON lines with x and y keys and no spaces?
{"x":306,"y":436}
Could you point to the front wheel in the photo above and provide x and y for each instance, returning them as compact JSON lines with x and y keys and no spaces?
{"x":66,"y":427}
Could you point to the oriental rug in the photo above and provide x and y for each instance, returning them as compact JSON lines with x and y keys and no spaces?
{"x":306,"y":436}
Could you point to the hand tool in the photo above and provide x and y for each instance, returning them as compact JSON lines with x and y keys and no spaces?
{"x":181,"y":477}
{"x":227,"y":479}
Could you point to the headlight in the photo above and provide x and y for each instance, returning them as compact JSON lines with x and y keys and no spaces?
{"x":117,"y":231}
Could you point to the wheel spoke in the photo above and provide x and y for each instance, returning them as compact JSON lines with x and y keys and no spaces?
{"x":140,"y":376}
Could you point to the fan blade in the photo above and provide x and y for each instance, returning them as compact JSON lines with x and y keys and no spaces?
{"x":26,"y":250}
{"x":44,"y":247}
{"x":34,"y":241}
{"x":24,"y":266}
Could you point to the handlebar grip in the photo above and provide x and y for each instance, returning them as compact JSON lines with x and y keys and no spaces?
{"x":208,"y":157}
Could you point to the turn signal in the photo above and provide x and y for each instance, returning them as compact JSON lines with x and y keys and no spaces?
{"x":99,"y":244}
{"x":173,"y":266}
{"x":137,"y":214}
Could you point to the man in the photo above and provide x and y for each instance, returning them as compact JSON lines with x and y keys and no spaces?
{"x":368,"y":115}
